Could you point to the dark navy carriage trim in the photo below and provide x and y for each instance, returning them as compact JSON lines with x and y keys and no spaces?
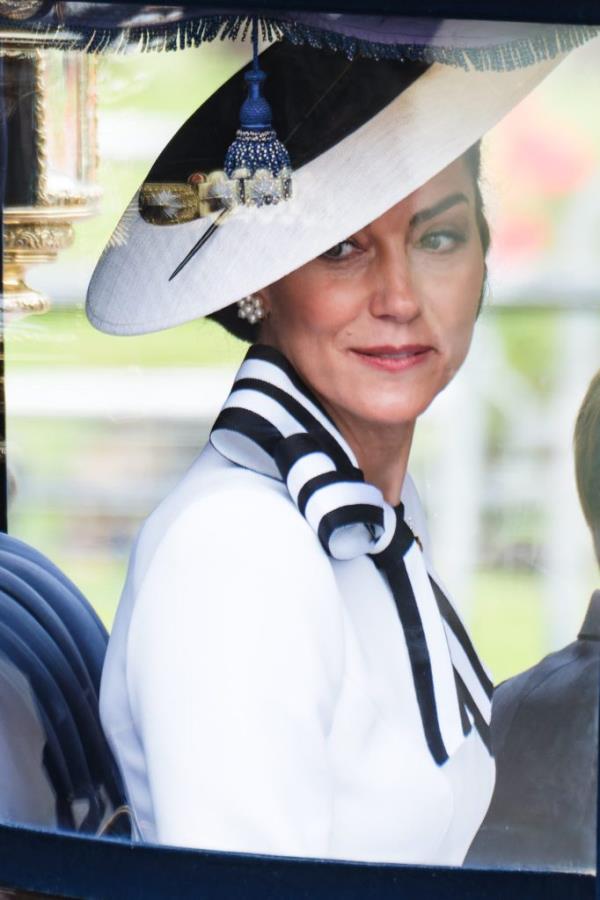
{"x":98,"y":28}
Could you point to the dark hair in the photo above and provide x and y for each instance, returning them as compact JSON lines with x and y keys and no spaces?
{"x":241,"y":328}
{"x":587,"y":459}
{"x":473,"y":160}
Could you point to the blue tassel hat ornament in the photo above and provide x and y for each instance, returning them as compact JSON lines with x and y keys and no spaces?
{"x":257,"y":161}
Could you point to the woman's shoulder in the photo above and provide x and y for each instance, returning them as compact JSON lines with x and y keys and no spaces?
{"x":220,"y":512}
{"x":218,"y":507}
{"x":222,"y":502}
{"x":228,"y":549}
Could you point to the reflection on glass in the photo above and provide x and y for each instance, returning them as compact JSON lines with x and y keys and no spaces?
{"x":483,"y":457}
{"x":57,"y":767}
{"x":26,"y":791}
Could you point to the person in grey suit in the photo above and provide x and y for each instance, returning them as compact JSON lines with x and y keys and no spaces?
{"x":545,"y":725}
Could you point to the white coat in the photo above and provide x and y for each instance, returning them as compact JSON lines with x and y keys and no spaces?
{"x":258,"y":694}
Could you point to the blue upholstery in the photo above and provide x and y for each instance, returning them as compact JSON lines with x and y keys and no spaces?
{"x":68,"y":602}
{"x":50,"y":633}
{"x":67,"y":750}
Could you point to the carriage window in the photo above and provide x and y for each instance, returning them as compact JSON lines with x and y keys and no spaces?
{"x":368,"y":330}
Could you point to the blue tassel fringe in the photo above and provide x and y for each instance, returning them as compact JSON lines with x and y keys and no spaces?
{"x":253,"y":151}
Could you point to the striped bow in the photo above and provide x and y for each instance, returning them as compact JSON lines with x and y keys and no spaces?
{"x":272,"y":424}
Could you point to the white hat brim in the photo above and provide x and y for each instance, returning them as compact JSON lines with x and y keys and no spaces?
{"x":429,"y":125}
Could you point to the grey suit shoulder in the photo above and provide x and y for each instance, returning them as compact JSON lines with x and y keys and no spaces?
{"x":545,"y":739}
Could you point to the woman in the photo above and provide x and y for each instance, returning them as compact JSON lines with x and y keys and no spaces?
{"x":285,"y":674}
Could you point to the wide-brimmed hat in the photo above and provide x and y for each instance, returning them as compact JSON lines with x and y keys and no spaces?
{"x":362,"y":133}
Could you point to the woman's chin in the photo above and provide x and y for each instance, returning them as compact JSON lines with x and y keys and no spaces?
{"x":375,"y":413}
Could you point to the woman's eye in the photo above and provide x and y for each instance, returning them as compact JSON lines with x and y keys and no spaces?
{"x":340,"y":251}
{"x":442,"y":241}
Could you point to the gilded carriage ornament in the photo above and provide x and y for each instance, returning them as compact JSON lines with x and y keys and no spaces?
{"x":50,"y":104}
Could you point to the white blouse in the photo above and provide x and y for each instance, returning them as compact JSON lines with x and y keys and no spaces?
{"x":258,"y":694}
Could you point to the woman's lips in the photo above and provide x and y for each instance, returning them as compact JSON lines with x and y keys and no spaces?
{"x":393,"y":359}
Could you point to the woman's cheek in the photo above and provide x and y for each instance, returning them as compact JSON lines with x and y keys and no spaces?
{"x":463,"y":338}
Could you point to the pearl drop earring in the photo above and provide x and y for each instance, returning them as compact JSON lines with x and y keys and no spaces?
{"x":251,"y":308}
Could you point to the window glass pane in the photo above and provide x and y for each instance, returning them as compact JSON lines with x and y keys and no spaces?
{"x":300,"y":670}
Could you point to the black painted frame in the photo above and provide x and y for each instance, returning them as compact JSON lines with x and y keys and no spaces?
{"x":70,"y":865}
{"x":583,"y":12}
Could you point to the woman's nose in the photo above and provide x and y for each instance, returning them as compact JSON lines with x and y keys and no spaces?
{"x":394,"y":293}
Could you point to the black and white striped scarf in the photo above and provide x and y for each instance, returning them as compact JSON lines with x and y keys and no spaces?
{"x":272,"y":424}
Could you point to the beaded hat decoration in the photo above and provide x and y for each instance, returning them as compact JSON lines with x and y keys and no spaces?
{"x":256,"y":172}
{"x":257,"y":159}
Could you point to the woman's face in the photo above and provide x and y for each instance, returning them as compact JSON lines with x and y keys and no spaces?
{"x":379,"y":324}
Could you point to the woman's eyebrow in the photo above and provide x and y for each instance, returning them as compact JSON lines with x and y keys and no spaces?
{"x":425,"y":214}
